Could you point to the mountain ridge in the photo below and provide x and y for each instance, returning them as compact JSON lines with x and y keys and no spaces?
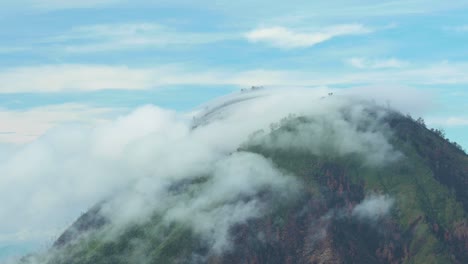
{"x":368,"y":185}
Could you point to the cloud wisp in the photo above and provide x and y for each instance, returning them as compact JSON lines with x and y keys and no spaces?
{"x":459,"y":29}
{"x":451,"y":121}
{"x":363,"y":63}
{"x":373,"y":207}
{"x":91,"y":77}
{"x":114,"y":37}
{"x":69,"y":77}
{"x":27,"y":125}
{"x":281,"y":37}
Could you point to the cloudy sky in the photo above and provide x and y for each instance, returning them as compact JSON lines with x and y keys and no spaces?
{"x":89,"y":61}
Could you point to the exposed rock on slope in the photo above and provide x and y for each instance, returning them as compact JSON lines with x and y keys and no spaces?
{"x":342,"y":181}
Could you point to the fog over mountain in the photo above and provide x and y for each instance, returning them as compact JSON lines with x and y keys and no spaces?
{"x":235,"y":179}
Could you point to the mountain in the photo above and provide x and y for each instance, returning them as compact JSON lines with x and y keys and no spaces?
{"x":336,"y":180}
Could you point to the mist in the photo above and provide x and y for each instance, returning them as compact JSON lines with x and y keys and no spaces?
{"x":144,"y":164}
{"x":373,"y":207}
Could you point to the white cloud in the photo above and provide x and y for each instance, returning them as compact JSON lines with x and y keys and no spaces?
{"x":373,"y":207}
{"x":82,"y":77}
{"x":60,"y":175}
{"x":27,"y":125}
{"x":329,"y":135}
{"x":457,"y":121}
{"x":436,"y":73}
{"x":282,"y":37}
{"x":110,"y":30}
{"x":363,"y":63}
{"x":112,"y":37}
{"x":450,"y":121}
{"x":461,"y":28}
{"x":54,"y":78}
{"x":141,"y":154}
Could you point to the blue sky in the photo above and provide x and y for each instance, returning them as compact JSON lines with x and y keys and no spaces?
{"x":91,"y":60}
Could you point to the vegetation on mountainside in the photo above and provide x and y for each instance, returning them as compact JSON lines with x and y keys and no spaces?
{"x":427,"y":224}
{"x":427,"y":205}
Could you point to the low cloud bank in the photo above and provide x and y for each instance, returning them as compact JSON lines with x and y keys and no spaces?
{"x":138,"y":163}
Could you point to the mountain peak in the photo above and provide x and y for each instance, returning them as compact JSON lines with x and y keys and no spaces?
{"x":285,"y":178}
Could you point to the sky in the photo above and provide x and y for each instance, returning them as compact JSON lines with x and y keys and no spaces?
{"x":90,"y":61}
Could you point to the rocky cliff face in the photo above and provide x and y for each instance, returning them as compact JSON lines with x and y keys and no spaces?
{"x":353,"y":199}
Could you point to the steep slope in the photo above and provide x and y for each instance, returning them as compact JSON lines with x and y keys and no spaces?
{"x":356,"y":183}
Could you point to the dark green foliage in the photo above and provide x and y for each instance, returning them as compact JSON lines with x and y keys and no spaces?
{"x":427,"y":223}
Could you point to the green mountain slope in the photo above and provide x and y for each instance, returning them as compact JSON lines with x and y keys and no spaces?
{"x":348,"y":199}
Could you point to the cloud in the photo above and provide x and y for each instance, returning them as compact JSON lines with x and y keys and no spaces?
{"x":285,"y":38}
{"x":110,"y":30}
{"x":54,"y":78}
{"x":85,"y":77}
{"x":363,"y":63}
{"x":68,"y":170}
{"x":228,"y":198}
{"x":327,"y":133}
{"x":155,"y":161}
{"x":112,"y":37}
{"x":451,"y":121}
{"x":461,"y":28}
{"x":398,"y":97}
{"x":89,"y":77}
{"x":21,"y":126}
{"x":373,"y":207}
{"x":435,"y":73}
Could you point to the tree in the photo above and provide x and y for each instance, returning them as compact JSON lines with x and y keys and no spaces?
{"x":439,"y":132}
{"x":420,"y":121}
